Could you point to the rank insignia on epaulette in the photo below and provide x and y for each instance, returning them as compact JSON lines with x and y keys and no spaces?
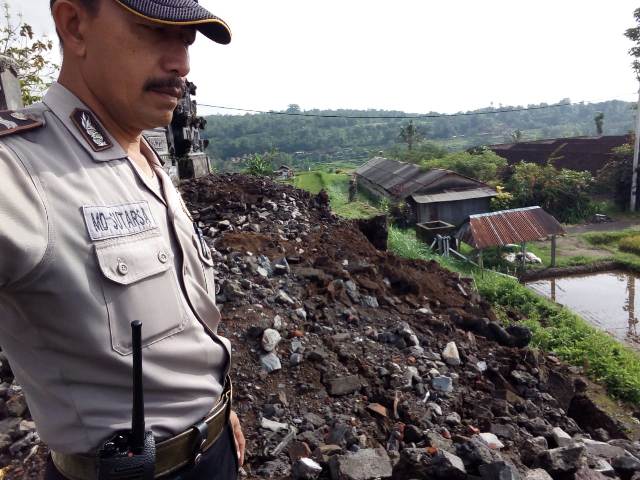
{"x":91,"y":130}
{"x":13,"y":122}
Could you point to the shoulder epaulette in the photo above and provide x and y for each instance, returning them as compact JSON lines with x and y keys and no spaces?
{"x":14,"y":121}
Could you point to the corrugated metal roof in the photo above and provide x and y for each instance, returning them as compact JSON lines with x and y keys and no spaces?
{"x":508,"y":226}
{"x":454,"y":196}
{"x":400,"y":179}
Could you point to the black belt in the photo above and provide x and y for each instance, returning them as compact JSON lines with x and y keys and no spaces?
{"x":171,"y":454}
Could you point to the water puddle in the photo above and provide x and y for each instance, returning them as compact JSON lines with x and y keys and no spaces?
{"x":607,"y":300}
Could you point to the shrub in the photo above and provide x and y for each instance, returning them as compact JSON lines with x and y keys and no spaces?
{"x":630,"y":244}
{"x":562,"y":192}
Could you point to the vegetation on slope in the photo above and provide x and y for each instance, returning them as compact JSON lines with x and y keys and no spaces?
{"x":555,"y":329}
{"x":311,"y":140}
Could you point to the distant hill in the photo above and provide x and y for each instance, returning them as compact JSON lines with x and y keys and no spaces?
{"x":305,"y":141}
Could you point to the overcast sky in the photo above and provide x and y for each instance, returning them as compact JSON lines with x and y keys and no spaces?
{"x":411,"y":55}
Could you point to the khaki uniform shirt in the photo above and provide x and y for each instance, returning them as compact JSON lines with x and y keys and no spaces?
{"x":87,"y":245}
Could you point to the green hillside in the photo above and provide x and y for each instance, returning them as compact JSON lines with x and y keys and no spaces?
{"x":305,"y":141}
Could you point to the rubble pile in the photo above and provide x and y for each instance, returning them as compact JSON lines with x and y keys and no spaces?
{"x":353,"y":364}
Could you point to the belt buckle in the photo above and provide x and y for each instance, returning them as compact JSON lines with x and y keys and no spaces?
{"x":201,"y":430}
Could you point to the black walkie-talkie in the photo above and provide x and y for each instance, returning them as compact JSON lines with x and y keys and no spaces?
{"x":130,"y":454}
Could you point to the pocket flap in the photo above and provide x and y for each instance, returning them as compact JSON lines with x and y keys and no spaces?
{"x":131,"y":261}
{"x":204,"y":252}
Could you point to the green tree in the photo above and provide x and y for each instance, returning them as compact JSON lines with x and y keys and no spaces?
{"x":484,"y":165}
{"x":633,"y":34}
{"x":615,"y":176}
{"x":562,"y":192}
{"x":31,"y":54}
{"x":410,"y":135}
{"x":599,"y":119}
{"x":516,"y":136}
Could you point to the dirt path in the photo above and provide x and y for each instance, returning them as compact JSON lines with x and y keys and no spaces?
{"x":602,"y":227}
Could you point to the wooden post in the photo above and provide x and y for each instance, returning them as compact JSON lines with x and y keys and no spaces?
{"x":481,"y":263}
{"x":524,"y":255}
{"x":553,"y":250}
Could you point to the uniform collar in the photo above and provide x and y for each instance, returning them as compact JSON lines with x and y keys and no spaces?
{"x":83,"y":124}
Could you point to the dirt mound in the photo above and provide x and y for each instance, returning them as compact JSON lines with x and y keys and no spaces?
{"x":352,"y":363}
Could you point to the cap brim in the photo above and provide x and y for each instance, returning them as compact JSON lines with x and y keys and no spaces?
{"x":181,"y":12}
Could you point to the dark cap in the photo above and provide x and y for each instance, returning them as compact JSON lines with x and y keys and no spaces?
{"x":181,"y":12}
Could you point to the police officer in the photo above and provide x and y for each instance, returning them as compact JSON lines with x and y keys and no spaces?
{"x":93,"y":235}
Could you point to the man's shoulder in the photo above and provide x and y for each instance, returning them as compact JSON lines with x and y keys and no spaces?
{"x":18,"y":121}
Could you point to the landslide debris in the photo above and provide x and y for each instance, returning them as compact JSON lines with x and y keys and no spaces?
{"x":353,"y":364}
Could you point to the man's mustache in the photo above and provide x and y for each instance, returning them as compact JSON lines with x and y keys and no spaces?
{"x":162,"y":83}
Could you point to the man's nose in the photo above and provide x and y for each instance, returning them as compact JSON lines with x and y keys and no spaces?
{"x":176,"y":59}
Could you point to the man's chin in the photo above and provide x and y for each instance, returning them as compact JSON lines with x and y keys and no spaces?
{"x":158,"y":119}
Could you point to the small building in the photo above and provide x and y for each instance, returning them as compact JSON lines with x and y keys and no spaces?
{"x":433,"y":195}
{"x":507,"y":227}
{"x":577,"y":153}
{"x":283,"y":173}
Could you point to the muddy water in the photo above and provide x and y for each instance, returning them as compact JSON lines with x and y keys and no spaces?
{"x":608,"y":300}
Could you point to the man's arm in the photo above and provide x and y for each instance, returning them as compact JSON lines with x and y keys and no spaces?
{"x":23,"y":220}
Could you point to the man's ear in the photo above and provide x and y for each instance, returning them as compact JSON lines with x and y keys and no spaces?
{"x":71,"y":23}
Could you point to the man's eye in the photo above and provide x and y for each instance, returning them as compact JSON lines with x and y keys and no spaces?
{"x":151,"y":28}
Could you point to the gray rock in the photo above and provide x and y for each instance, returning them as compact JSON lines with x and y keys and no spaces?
{"x":295,"y":359}
{"x":366,"y":464}
{"x":345,"y":385}
{"x":283,"y":297}
{"x":490,"y":440}
{"x":369,"y":301}
{"x":446,"y":465}
{"x":443,"y":384}
{"x":562,"y":438}
{"x":434,"y":439}
{"x":17,"y":405}
{"x":537,"y":474}
{"x":506,"y":431}
{"x":306,"y":469}
{"x":588,"y":474}
{"x":27,"y":441}
{"x":281,"y":267}
{"x":524,"y":378}
{"x":453,"y":419}
{"x":272,"y":425}
{"x":451,"y":355}
{"x":626,"y":464}
{"x":270,"y":339}
{"x":602,"y":449}
{"x":498,"y":471}
{"x":270,"y":362}
{"x":563,"y":460}
{"x":315,"y":420}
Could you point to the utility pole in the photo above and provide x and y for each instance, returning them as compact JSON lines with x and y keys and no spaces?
{"x":636,"y":147}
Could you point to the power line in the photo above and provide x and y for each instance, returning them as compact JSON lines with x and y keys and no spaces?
{"x":378,"y":117}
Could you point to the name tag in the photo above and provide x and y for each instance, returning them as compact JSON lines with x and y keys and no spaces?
{"x":118,"y":220}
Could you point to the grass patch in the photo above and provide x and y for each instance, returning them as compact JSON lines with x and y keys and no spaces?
{"x":337,"y":186}
{"x":555,"y":329}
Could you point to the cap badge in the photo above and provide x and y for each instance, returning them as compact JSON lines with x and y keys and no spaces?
{"x":91,"y":129}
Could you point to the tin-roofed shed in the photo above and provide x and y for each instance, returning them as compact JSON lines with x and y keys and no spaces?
{"x":434,"y":195}
{"x":505,"y":227}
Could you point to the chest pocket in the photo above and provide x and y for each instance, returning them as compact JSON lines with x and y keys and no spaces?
{"x":139,"y":283}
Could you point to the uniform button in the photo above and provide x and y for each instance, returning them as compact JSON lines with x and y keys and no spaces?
{"x":123,"y":269}
{"x":163,"y":257}
{"x":197,"y":459}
